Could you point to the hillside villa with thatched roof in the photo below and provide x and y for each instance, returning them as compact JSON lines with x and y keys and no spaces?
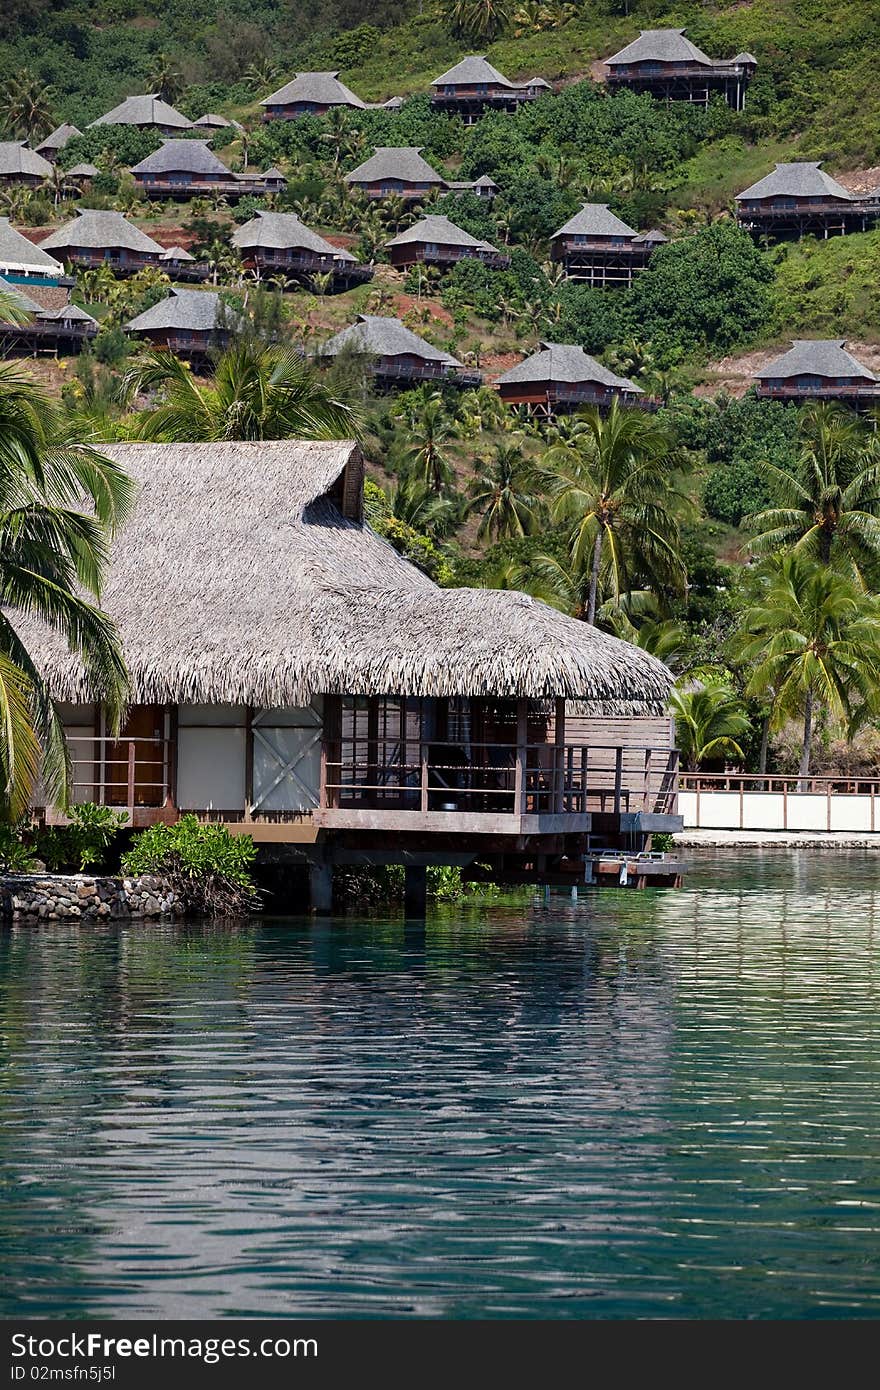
{"x":96,"y":238}
{"x":23,"y":263}
{"x":666,"y":64}
{"x":799,"y":199}
{"x":22,"y":166}
{"x":275,"y":242}
{"x":561,"y":377}
{"x":65,"y":328}
{"x":147,"y":112}
{"x":597,"y":247}
{"x":189,"y":323}
{"x":81,"y":175}
{"x":54,"y":143}
{"x":474,"y":85}
{"x":818,"y":369}
{"x":401,"y":172}
{"x":294,"y":678}
{"x":314,"y":94}
{"x":211,"y":121}
{"x":437,"y":241}
{"x":396,"y":356}
{"x":186,"y":168}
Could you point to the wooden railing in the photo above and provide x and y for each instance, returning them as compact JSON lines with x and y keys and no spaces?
{"x":784,"y":801}
{"x":124,"y":772}
{"x":404,"y":372}
{"x":534,"y":779}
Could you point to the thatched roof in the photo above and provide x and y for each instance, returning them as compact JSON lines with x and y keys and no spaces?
{"x":385,"y":337}
{"x":211,"y":121}
{"x":316,"y":88}
{"x":18,"y":255}
{"x":441,"y":231}
{"x":182,"y":156}
{"x":660,"y":46}
{"x":20,"y":297}
{"x":284,"y":231}
{"x":565,"y":362}
{"x":470,"y":72}
{"x":403,"y":162}
{"x":177,"y":253}
{"x":825,"y":357}
{"x":148,"y":110}
{"x":239,"y":579}
{"x":82,"y":171}
{"x":805,"y":179}
{"x":595,"y":219}
{"x":66,"y":313}
{"x":195,"y":310}
{"x":17,"y":159}
{"x":94,"y":230}
{"x":57,"y":139}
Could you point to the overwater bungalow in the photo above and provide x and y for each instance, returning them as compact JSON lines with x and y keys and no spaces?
{"x":437,"y":241}
{"x":148,"y":112}
{"x":190,"y":323}
{"x":183,"y":169}
{"x":560,"y":377}
{"x":666,"y":64}
{"x":314,"y":94}
{"x":274,"y":242}
{"x":54,"y":143}
{"x":296,"y":679}
{"x":64,"y":329}
{"x":819,"y":369}
{"x":599,"y":248}
{"x":397,"y":356}
{"x":401,"y":172}
{"x":800,"y":199}
{"x":96,"y":238}
{"x":474,"y":86}
{"x":22,"y":166}
{"x":24,"y":263}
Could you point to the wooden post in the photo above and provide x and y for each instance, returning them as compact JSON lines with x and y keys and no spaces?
{"x":559,"y":758}
{"x":646,"y":799}
{"x":618,"y":778}
{"x":131,"y":764}
{"x":519,"y":776}
{"x":249,"y":763}
{"x":331,"y":771}
{"x":415,"y":892}
{"x":423,"y":755}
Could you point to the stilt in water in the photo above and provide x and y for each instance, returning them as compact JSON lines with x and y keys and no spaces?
{"x":321,"y":887}
{"x":415,"y":892}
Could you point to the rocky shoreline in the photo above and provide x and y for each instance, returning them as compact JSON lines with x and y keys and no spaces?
{"x":45,"y":897}
{"x":776,"y":839}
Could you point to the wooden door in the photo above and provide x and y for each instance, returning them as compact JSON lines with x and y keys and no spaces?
{"x":135,"y":763}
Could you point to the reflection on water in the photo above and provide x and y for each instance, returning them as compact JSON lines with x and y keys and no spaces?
{"x":657,"y":1103}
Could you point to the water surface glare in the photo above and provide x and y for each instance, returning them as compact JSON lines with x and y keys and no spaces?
{"x":650,"y":1104}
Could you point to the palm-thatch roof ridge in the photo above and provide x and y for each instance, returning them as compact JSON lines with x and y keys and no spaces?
{"x":316,"y":89}
{"x":284,"y":231}
{"x":16,"y":158}
{"x":239,"y":580}
{"x":440,"y":230}
{"x":403,"y":162}
{"x":381,"y":336}
{"x":184,"y":156}
{"x":147,"y":110}
{"x":57,"y":139}
{"x":94,"y":229}
{"x":18,"y":254}
{"x":565,"y":362}
{"x":595,"y":219}
{"x":660,"y":46}
{"x":802,"y":179}
{"x":194,"y":310}
{"x":825,"y":357}
{"x":472,"y":71}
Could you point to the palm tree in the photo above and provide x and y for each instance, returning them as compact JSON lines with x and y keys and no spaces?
{"x":53,"y":557}
{"x":830,"y":504}
{"x":164,"y":77}
{"x":637,"y":618}
{"x":614,"y":484}
{"x":425,"y":511}
{"x":708,"y":721}
{"x":428,"y":432}
{"x":480,"y":20}
{"x":256,"y":392}
{"x":500,"y":493}
{"x":814,"y":639}
{"x":26,"y":104}
{"x":261,"y":73}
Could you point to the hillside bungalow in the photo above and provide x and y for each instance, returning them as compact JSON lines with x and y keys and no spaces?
{"x":560,"y":377}
{"x":474,"y":86}
{"x":437,"y":241}
{"x":310,"y":94}
{"x":274,"y":242}
{"x":190,"y":323}
{"x":184,"y":169}
{"x":818,"y":369}
{"x":211,"y":121}
{"x":96,"y":238}
{"x":177,"y":262}
{"x":345,"y":709}
{"x":393,"y":171}
{"x":54,"y":143}
{"x":66,"y":329}
{"x":147,"y":112}
{"x":21,"y":166}
{"x":81,"y":175}
{"x":666,"y":64}
{"x":597,"y":247}
{"x":397,"y":356}
{"x":801,"y":198}
{"x":23,"y":263}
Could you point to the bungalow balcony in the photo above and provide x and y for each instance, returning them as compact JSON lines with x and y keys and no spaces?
{"x":303,"y":266}
{"x":820,"y":216}
{"x":858,"y":393}
{"x":469,"y":102}
{"x":602,"y":261}
{"x":396,"y":188}
{"x":412,"y":253}
{"x":692,"y":82}
{"x":124,"y":262}
{"x":389,"y":371}
{"x":560,"y":397}
{"x":184,"y":186}
{"x":51,"y":336}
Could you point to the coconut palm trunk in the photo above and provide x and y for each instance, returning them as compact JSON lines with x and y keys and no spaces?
{"x":808,"y":740}
{"x":594,"y":576}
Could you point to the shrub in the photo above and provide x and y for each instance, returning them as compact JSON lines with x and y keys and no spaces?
{"x":84,"y":843}
{"x":15,"y":856}
{"x":206,"y":867}
{"x":734,"y":491}
{"x":111,"y":347}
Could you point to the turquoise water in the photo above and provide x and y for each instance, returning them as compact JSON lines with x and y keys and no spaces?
{"x":658,"y":1103}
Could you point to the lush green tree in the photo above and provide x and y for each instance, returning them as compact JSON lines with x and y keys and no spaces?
{"x":614,"y":485}
{"x":813,"y":638}
{"x":428,"y":431}
{"x":255,"y":392}
{"x":829,"y":503}
{"x":477,"y":20}
{"x":53,"y":557}
{"x":501,"y":494}
{"x":27,"y":106}
{"x":709,"y":721}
